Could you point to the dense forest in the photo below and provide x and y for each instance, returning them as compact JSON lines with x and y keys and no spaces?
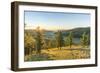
{"x":42,"y":44}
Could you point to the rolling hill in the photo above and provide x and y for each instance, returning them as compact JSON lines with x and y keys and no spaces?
{"x":77,"y":32}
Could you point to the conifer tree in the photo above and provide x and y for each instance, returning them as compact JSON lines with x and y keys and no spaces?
{"x":84,"y":40}
{"x":59,"y":39}
{"x":87,"y":40}
{"x":70,"y":39}
{"x":29,"y":43}
{"x":38,"y":40}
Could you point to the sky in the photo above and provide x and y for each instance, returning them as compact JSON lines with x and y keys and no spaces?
{"x":55,"y":20}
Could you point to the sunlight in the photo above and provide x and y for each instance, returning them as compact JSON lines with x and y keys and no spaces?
{"x":46,"y":27}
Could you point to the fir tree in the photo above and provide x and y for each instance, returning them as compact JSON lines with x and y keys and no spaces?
{"x":38,"y":40}
{"x":59,"y":39}
{"x":85,"y":40}
{"x":70,"y":39}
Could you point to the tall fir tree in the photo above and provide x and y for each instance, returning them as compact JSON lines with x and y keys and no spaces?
{"x":38,"y":40}
{"x":85,"y":40}
{"x":59,"y":39}
{"x":70,"y":39}
{"x":29,"y":43}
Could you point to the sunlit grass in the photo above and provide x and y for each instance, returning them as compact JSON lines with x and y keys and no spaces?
{"x":66,"y":53}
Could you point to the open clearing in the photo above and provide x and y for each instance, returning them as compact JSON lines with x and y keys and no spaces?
{"x":65,"y":53}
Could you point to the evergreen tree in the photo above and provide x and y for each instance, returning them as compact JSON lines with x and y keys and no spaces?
{"x":59,"y":39}
{"x":53,"y":43}
{"x":38,"y":40}
{"x":49,"y":44}
{"x":70,"y":39}
{"x":85,"y":40}
{"x":29,"y":42}
{"x":46,"y":43}
{"x":66,"y":41}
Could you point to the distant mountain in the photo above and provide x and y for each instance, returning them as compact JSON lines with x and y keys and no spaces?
{"x":77,"y":32}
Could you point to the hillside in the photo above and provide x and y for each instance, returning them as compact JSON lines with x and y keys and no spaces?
{"x":77,"y":32}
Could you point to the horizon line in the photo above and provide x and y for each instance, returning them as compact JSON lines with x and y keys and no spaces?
{"x":54,"y":29}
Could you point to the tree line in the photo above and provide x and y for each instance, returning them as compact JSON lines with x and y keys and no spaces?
{"x":39,"y":42}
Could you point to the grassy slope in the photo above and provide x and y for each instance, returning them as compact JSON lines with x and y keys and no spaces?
{"x":64,"y":54}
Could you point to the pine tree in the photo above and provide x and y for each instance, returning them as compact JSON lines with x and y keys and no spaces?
{"x":70,"y":39}
{"x":46,"y":43}
{"x":87,"y":40}
{"x":59,"y":39}
{"x":84,"y":40}
{"x":38,"y":40}
{"x":29,"y":43}
{"x":66,"y":41}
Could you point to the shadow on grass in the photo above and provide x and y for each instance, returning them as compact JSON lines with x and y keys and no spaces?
{"x":40,"y":57}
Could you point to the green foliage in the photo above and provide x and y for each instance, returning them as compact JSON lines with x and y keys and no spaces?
{"x":59,"y":39}
{"x":38,"y":40}
{"x":43,"y":44}
{"x":84,"y":40}
{"x":66,"y":41}
{"x":53,"y":43}
{"x":77,"y":32}
{"x":69,"y":39}
{"x":87,"y":40}
{"x":29,"y":42}
{"x":46,"y":44}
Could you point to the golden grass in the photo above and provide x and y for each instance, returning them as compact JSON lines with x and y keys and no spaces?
{"x":66,"y":53}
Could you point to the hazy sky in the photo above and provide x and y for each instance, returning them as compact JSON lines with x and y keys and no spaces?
{"x":55,"y":20}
